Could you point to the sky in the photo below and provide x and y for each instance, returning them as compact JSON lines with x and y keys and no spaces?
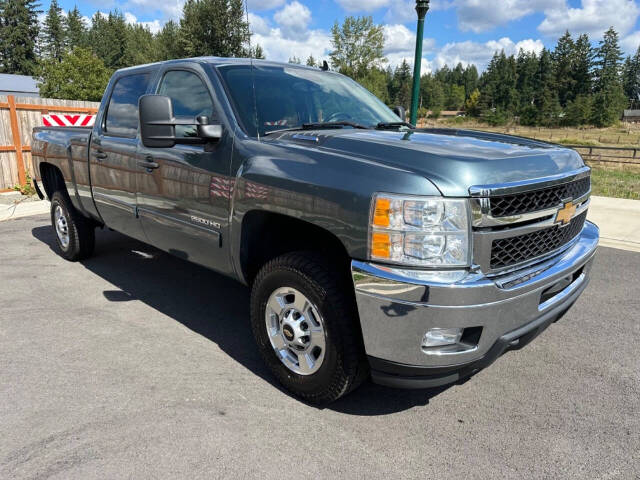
{"x":466,"y":31}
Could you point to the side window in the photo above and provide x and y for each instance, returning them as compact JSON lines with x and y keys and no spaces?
{"x":189,"y":96}
{"x":122,"y":112}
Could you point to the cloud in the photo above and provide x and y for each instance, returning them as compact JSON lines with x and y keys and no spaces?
{"x":480,"y":53}
{"x":400,"y":44}
{"x":294,"y":20}
{"x":155,"y":26}
{"x":594,"y":17}
{"x":631,"y":43}
{"x":258,"y":24}
{"x":479,"y":16}
{"x":404,"y":11}
{"x":281,"y":48}
{"x":171,"y":9}
{"x":363,"y":5}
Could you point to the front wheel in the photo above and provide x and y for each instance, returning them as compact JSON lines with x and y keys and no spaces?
{"x":75,"y":234}
{"x":305,"y":323}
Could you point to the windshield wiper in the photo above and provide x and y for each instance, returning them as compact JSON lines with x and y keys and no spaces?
{"x":393,"y":125}
{"x":318,"y":126}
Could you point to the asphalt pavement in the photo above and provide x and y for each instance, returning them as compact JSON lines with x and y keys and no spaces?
{"x":136,"y":364}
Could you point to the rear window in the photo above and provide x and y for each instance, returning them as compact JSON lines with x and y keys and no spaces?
{"x":122,"y":112}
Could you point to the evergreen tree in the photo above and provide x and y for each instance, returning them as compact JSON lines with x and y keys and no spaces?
{"x":632,"y":78}
{"x":546,"y":101}
{"x":470,"y":80}
{"x":563,"y":56}
{"x":609,"y":100}
{"x":76,"y":30}
{"x":295,"y":60}
{"x":402,"y":85}
{"x":108,"y":39}
{"x":53,"y":33}
{"x":167,"y":43}
{"x":582,"y":66}
{"x":18,"y":36}
{"x":258,"y":52}
{"x":526,"y":67}
{"x":140,"y":46}
{"x":311,"y":61}
{"x":214,"y":27}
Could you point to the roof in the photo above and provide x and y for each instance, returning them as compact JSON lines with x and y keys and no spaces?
{"x":219,"y":61}
{"x":18,"y":84}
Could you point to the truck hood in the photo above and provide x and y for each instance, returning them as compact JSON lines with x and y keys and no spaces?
{"x":454,"y":160}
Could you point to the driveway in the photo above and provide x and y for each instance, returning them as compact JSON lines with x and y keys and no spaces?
{"x":136,"y":364}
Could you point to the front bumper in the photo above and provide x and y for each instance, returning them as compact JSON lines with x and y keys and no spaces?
{"x":397,"y":307}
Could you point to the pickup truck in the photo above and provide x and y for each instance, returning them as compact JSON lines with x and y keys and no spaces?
{"x":373,"y":249}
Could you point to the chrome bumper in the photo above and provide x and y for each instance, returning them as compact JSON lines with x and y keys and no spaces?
{"x":397,"y":307}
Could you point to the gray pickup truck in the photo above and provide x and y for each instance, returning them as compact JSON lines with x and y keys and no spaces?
{"x":373,"y":249}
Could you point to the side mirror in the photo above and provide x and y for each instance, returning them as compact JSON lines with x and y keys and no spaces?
{"x":156,"y":121}
{"x":401,"y":112}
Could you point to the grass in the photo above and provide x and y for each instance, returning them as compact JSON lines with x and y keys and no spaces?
{"x":619,"y":183}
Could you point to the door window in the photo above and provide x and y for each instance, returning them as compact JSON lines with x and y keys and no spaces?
{"x":122,"y":112}
{"x":190,"y":98}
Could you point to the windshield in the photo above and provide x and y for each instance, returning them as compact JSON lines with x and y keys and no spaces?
{"x":288,"y":97}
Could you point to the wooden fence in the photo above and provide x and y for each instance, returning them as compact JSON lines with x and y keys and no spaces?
{"x":18,"y":116}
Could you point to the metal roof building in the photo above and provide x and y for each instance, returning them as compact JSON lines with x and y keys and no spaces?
{"x":18,"y":85}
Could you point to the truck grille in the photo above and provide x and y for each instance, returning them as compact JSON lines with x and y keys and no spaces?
{"x":520,"y":203}
{"x":506,"y":252}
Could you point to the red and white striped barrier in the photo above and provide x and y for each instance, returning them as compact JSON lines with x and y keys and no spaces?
{"x":75,"y":120}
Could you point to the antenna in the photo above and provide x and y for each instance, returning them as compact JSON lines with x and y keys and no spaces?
{"x":253,"y":78}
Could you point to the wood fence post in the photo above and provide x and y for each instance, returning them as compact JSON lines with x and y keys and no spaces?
{"x":17,"y":142}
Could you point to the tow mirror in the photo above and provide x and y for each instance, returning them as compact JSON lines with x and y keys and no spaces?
{"x":156,"y":121}
{"x":401,"y":112}
{"x":158,"y":124}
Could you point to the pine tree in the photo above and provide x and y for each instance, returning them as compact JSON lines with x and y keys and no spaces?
{"x":167,"y":43}
{"x":582,"y":66}
{"x":632,"y":78}
{"x":546,"y":100}
{"x":53,"y":33}
{"x":609,"y":100}
{"x":214,"y":27}
{"x":563,"y":67}
{"x":258,"y":52}
{"x":108,"y":39}
{"x":402,"y":85}
{"x":311,"y":61}
{"x":18,"y":36}
{"x":76,"y":30}
{"x":526,"y":68}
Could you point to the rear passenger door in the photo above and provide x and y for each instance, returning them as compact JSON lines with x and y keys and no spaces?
{"x":183,"y":204}
{"x":112,"y":155}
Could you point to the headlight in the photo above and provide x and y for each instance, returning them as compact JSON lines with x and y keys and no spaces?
{"x":420,"y":231}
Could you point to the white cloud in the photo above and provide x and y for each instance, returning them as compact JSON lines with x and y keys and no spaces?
{"x":363,"y":5}
{"x":400,"y":44}
{"x":155,"y":26}
{"x":480,"y":16}
{"x":294,"y":20}
{"x":480,"y":53}
{"x":631,"y":43}
{"x":404,"y":11}
{"x":594,"y":17}
{"x":170,"y":9}
{"x":264,"y":4}
{"x":258,"y":24}
{"x":280,"y":48}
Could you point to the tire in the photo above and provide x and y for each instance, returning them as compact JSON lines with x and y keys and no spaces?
{"x":340,"y":366}
{"x":74,"y":233}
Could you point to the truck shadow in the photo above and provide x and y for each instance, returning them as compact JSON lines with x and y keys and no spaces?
{"x":211,"y":305}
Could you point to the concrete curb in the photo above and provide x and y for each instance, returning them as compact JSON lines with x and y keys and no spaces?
{"x":618,"y":219}
{"x":23,"y":209}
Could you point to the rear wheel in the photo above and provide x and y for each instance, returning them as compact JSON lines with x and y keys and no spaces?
{"x":75,"y":234}
{"x":306,"y":326}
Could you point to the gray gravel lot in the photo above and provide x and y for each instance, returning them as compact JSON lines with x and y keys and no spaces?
{"x":135,"y":364}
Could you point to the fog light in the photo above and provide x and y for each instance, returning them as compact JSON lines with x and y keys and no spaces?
{"x":439,"y":337}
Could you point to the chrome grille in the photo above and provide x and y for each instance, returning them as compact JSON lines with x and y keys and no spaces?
{"x":526,"y":202}
{"x":506,"y":252}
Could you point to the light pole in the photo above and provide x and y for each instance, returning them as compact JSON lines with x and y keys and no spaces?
{"x":422,"y":7}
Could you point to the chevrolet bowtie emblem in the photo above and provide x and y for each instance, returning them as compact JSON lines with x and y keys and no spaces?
{"x":566,"y":213}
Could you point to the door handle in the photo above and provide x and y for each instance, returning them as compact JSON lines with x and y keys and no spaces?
{"x":149,"y":164}
{"x":100,"y":155}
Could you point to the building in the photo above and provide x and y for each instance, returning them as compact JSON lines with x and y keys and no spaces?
{"x":18,"y":85}
{"x":632,"y":116}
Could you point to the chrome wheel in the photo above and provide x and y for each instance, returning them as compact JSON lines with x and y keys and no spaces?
{"x":295,"y":330}
{"x":62,"y":228}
